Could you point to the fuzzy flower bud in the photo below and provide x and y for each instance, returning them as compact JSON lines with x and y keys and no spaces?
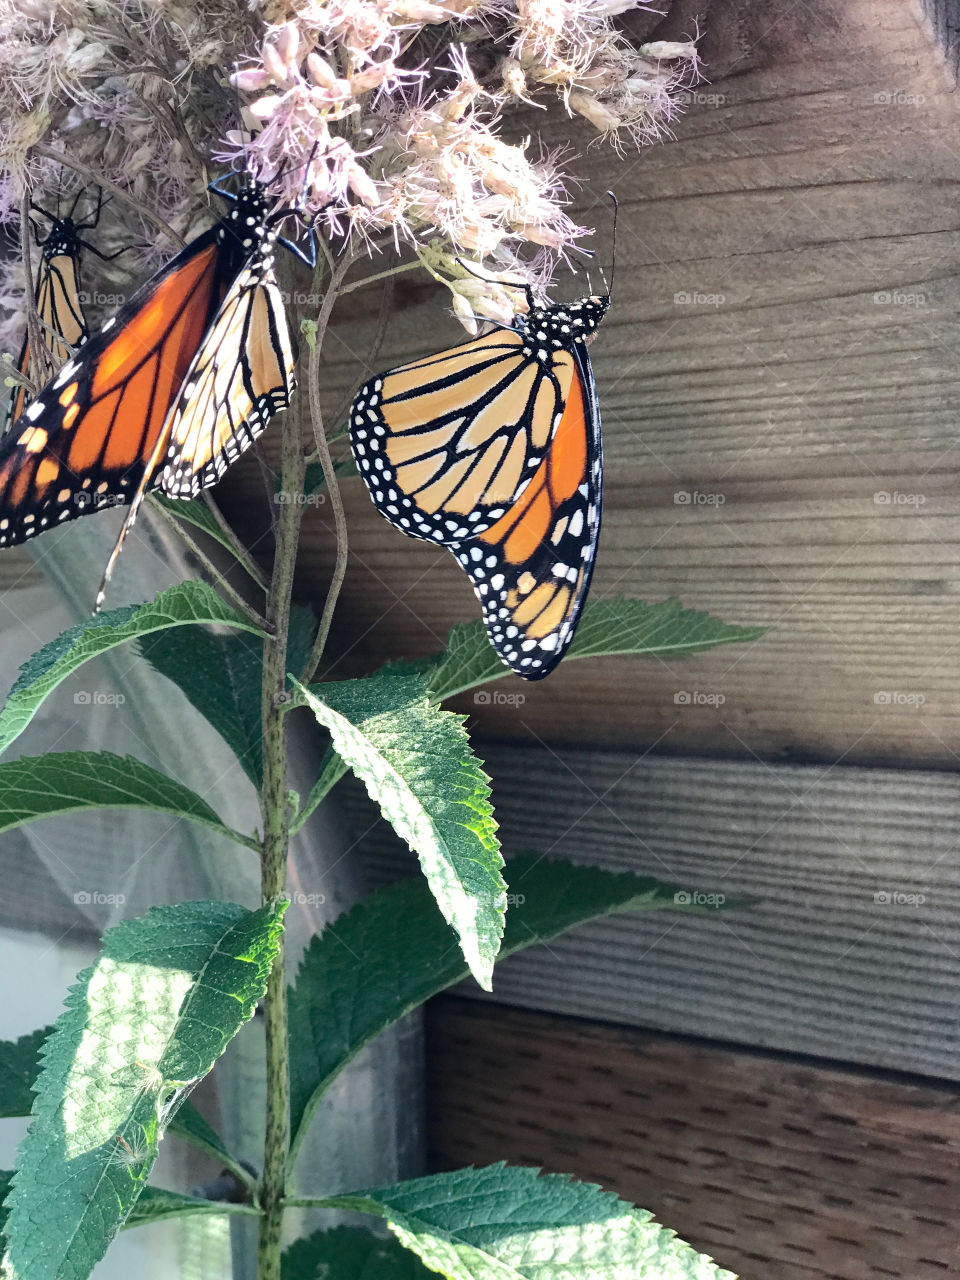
{"x":320,"y":71}
{"x":592,"y":109}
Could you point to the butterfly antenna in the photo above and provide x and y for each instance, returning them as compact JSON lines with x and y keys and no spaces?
{"x":76,"y":201}
{"x":613,"y":250}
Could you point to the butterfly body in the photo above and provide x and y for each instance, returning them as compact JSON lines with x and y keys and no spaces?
{"x":167,"y":393}
{"x":493,"y":450}
{"x":58,"y":302}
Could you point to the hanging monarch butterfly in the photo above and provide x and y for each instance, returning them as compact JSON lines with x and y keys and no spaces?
{"x":170,"y":390}
{"x":493,"y":449}
{"x":57,"y":297}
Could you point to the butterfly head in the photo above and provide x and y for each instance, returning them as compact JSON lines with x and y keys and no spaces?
{"x":562,"y":323}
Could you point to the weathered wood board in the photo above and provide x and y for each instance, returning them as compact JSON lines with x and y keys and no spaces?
{"x":848,"y":947}
{"x":777,"y":1169}
{"x":807,"y":211}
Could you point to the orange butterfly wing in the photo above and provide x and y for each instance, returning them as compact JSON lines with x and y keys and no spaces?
{"x":85,"y":440}
{"x":493,"y":449}
{"x":532,"y":569}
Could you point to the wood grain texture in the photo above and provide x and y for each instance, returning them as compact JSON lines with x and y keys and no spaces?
{"x":812,"y":964}
{"x":808,"y":208}
{"x":775,"y":1168}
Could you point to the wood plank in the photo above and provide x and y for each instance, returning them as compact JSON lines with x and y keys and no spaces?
{"x":816,"y":174}
{"x":814,"y":964}
{"x":772,"y":1166}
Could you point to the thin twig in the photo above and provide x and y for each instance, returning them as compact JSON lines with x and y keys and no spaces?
{"x":236,"y":599}
{"x":383,"y":321}
{"x":10,"y":370}
{"x":329,"y":474}
{"x":93,"y":175}
{"x":381,"y":275}
{"x":243,"y":556}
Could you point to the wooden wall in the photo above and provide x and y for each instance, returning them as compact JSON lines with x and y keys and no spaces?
{"x":776,"y":1168}
{"x":808,"y":207}
{"x":779,"y":384}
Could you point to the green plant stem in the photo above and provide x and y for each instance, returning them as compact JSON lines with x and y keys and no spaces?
{"x":274,"y":805}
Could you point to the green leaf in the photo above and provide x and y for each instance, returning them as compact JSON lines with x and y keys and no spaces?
{"x":190,"y":1125}
{"x":415,"y":761}
{"x":19,"y":1064}
{"x":141,"y":1026}
{"x":185,"y":604}
{"x":332,"y":769}
{"x":154,"y":1204}
{"x":507,"y":1223}
{"x":315,"y":481}
{"x":6,"y":1179}
{"x":33,"y":787}
{"x":196,"y":512}
{"x":350,"y":1253}
{"x":392,"y":952}
{"x":222,"y":675}
{"x":608,"y":627}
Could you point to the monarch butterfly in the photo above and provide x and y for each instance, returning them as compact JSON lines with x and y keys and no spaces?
{"x":57,"y":297}
{"x":493,"y":449}
{"x":170,"y":390}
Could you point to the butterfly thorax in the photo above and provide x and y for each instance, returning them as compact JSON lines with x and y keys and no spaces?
{"x":62,"y":240}
{"x":246,"y":231}
{"x":561,"y":324}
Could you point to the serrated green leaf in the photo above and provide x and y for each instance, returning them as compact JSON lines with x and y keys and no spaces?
{"x":392,"y":952}
{"x":154,"y":1204}
{"x":608,"y":627}
{"x":509,"y":1223}
{"x":188,"y":603}
{"x":33,"y":787}
{"x":19,"y":1064}
{"x":222,"y":675}
{"x":350,"y":1253}
{"x":416,"y":763}
{"x":141,"y":1026}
